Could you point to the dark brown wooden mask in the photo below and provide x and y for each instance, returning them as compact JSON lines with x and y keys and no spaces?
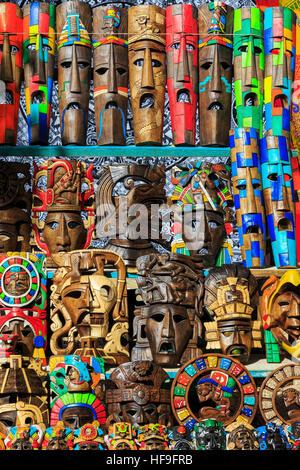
{"x":110,"y":45}
{"x":215,"y":73}
{"x":74,"y":25}
{"x":147,"y":74}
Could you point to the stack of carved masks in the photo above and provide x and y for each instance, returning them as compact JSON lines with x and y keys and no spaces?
{"x":110,"y":26}
{"x":38,"y":54}
{"x":168,"y":327}
{"x":215,"y":21}
{"x":182,"y":71}
{"x":62,"y":208}
{"x":230,"y":298}
{"x":202,"y":214}
{"x":15,"y":207}
{"x":147,"y":71}
{"x":74,"y":50}
{"x":11,"y":70}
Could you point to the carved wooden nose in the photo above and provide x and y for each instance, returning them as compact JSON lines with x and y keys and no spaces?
{"x":147,"y":72}
{"x":6,"y":65}
{"x":75,"y":78}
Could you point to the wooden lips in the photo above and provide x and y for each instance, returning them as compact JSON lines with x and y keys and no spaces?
{"x":74,"y":50}
{"x":110,"y":46}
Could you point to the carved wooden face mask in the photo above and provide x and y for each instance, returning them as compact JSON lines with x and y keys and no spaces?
{"x":11,"y":70}
{"x":248,"y":53}
{"x":63,"y":198}
{"x":278,"y":192}
{"x":39,"y":51}
{"x":110,"y":26}
{"x":215,"y":73}
{"x":182,"y":71}
{"x":73,"y":19}
{"x":248,"y":195}
{"x":147,"y":74}
{"x":280,"y":43}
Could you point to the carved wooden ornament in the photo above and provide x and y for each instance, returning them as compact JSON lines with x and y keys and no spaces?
{"x":218,"y":379}
{"x":121,"y":436}
{"x":153,"y":437}
{"x":110,"y":45}
{"x":24,"y":437}
{"x":11,"y":70}
{"x":38,"y":56}
{"x":215,"y":21}
{"x":147,"y":71}
{"x":74,"y":49}
{"x":58,"y":437}
{"x":241,"y":436}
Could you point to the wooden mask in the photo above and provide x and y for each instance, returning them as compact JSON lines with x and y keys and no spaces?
{"x":128,"y":215}
{"x":147,"y":72}
{"x":209,"y":434}
{"x":39,"y":51}
{"x":230,"y":297}
{"x":58,"y":437}
{"x":281,"y":316}
{"x":182,"y":71}
{"x":248,"y":195}
{"x":23,"y":302}
{"x":278,"y":192}
{"x":74,"y":49}
{"x":280,"y":43}
{"x":202,"y":215}
{"x":215,"y":73}
{"x":248,"y":53}
{"x":181,"y":438}
{"x":76,"y":396}
{"x":89,"y":310}
{"x":110,"y":26}
{"x":11,"y":70}
{"x":121,"y":436}
{"x":171,"y":287}
{"x":272,"y":436}
{"x":153,"y":437}
{"x":24,"y":437}
{"x":241,"y":436}
{"x":139,"y":395}
{"x":67,"y":194}
{"x":89,"y":437}
{"x":15,"y":206}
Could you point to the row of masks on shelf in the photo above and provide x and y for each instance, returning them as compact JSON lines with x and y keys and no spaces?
{"x":211,"y":405}
{"x":146,"y":47}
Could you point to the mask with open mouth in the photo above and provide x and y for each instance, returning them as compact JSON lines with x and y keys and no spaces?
{"x":241,"y":436}
{"x":11,"y":70}
{"x":74,"y":26}
{"x":248,"y":53}
{"x":281,"y":315}
{"x":182,"y":71}
{"x":215,"y":73}
{"x":147,"y":74}
{"x":39,"y":51}
{"x":278,"y":190}
{"x":230,"y":298}
{"x":65,"y":191}
{"x":280,"y":44}
{"x":248,"y":195}
{"x":110,"y":26}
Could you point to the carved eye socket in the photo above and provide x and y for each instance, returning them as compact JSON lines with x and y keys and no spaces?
{"x":273,"y":177}
{"x":76,"y":294}
{"x":190,"y":47}
{"x":105,"y":291}
{"x":178,"y":318}
{"x":66,"y":64}
{"x":176,"y":45}
{"x":45,"y":47}
{"x":256,"y":185}
{"x":283,"y":303}
{"x":139,"y":62}
{"x":102,"y":70}
{"x":121,"y":71}
{"x":14,"y":49}
{"x":206,"y":65}
{"x":158,"y":317}
{"x":83,"y":65}
{"x":243,"y":48}
{"x":131,"y":412}
{"x":241,"y":187}
{"x":257,"y":50}
{"x":53,"y":225}
{"x":72,"y":224}
{"x":213,"y":224}
{"x":225,"y":65}
{"x":227,"y":334}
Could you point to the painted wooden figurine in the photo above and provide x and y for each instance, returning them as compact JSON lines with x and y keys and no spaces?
{"x":23,"y":302}
{"x":110,"y":45}
{"x":126,"y":218}
{"x":38,"y":56}
{"x":121,"y":436}
{"x":280,"y":43}
{"x":248,"y":195}
{"x":58,"y":437}
{"x":153,"y":437}
{"x":11,"y":70}
{"x":171,"y":287}
{"x":230,"y":298}
{"x":248,"y":53}
{"x":89,"y":311}
{"x":209,"y":434}
{"x":65,"y":193}
{"x":15,"y":206}
{"x":139,"y":395}
{"x":147,"y":71}
{"x":281,"y":316}
{"x":74,"y":49}
{"x":215,"y":20}
{"x":24,"y":437}
{"x":202,"y":214}
{"x":182,"y":71}
{"x":241,"y":436}
{"x":89,"y":437}
{"x":278,"y":191}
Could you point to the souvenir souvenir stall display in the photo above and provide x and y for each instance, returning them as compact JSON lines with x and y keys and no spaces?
{"x":149,"y":225}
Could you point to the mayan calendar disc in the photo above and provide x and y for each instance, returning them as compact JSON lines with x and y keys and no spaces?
{"x":19,"y":281}
{"x":213,"y":386}
{"x":279,"y":396}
